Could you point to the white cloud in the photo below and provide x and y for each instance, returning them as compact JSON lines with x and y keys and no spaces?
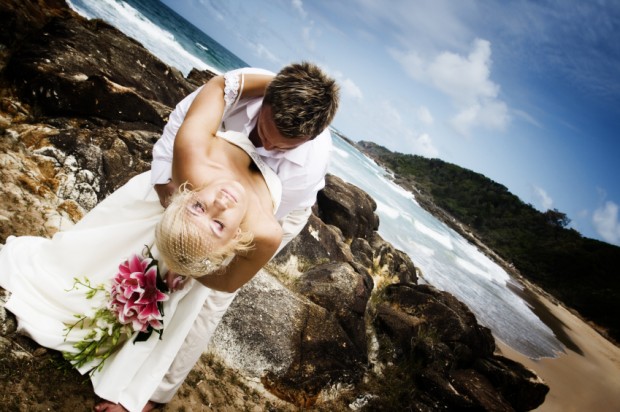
{"x":605,"y":220}
{"x":491,"y":115}
{"x":347,"y":86}
{"x":299,"y":6}
{"x":466,"y":80}
{"x":400,"y":135}
{"x":424,"y":115}
{"x":423,"y":146}
{"x":351,"y":89}
{"x":263,"y":52}
{"x":411,"y":62}
{"x":543,"y":198}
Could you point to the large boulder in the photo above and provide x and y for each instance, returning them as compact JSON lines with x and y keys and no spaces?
{"x":296,"y":347}
{"x":341,"y":290}
{"x":325,"y":239}
{"x":347,"y":207}
{"x":456,"y":368}
{"x":521,"y":387}
{"x":20,"y":18}
{"x":82,"y":67}
{"x":316,"y":244}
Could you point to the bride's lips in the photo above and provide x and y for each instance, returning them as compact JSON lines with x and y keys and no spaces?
{"x":230,"y":194}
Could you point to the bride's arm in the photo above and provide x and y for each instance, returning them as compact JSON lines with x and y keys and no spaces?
{"x":242,"y":268}
{"x":208,"y":109}
{"x":197,"y":131}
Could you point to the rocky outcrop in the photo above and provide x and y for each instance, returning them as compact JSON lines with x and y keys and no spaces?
{"x":339,"y":202}
{"x":454,"y":356}
{"x":82,"y":105}
{"x":74,"y":67}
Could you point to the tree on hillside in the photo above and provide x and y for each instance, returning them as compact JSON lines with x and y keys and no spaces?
{"x":556,"y":218}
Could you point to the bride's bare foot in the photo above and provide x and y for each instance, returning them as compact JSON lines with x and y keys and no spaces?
{"x":151,"y":406}
{"x":107,"y":406}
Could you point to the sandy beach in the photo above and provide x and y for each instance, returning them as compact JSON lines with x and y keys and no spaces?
{"x":585,"y":378}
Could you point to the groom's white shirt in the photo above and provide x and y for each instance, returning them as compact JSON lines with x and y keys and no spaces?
{"x":301,"y":170}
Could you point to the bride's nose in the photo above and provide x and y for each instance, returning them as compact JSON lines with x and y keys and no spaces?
{"x":221,"y":201}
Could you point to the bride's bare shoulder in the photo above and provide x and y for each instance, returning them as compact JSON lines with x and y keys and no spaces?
{"x":267,"y":233}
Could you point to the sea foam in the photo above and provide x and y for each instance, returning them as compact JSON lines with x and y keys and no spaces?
{"x":134,"y":24}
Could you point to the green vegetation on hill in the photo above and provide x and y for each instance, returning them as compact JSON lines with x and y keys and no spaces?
{"x":580,"y":272}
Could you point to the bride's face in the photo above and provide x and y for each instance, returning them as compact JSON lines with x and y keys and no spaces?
{"x":219,"y":209}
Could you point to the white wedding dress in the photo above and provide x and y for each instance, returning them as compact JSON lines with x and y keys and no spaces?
{"x":39,"y":272}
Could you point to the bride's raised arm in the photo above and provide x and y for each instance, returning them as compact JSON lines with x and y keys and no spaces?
{"x":207,"y":110}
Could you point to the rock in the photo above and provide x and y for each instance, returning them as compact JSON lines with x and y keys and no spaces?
{"x":362,"y":251}
{"x":8,"y":324}
{"x":456,"y":366}
{"x":477,"y":387}
{"x":396,"y":262}
{"x":442,"y":316}
{"x":22,"y":17}
{"x":345,"y":293}
{"x":199,"y":77}
{"x":316,"y":244}
{"x":347,"y":207}
{"x":89,"y":68}
{"x":520,"y":386}
{"x":294,"y":346}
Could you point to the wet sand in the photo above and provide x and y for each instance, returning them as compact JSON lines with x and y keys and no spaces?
{"x":586,"y":377}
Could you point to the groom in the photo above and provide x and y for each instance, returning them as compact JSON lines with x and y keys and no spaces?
{"x":291,"y":136}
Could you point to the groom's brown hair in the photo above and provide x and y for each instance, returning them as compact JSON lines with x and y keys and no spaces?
{"x":303,"y":99}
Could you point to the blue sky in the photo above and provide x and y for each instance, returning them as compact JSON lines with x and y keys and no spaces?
{"x":524,"y":92}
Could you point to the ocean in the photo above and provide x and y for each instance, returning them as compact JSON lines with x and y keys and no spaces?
{"x":446,"y":259}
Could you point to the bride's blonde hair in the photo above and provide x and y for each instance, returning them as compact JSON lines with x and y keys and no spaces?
{"x":184,"y":247}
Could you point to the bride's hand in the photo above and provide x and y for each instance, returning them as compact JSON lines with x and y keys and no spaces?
{"x":174,"y":281}
{"x":165,"y":192}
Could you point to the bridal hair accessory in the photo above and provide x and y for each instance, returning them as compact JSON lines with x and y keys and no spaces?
{"x":133,"y":302}
{"x":209,"y":266}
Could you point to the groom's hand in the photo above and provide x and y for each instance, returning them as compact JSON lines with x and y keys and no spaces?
{"x":165,"y":192}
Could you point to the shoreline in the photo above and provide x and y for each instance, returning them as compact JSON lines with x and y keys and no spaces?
{"x":585,"y":378}
{"x":586,"y":375}
{"x":426,"y":202}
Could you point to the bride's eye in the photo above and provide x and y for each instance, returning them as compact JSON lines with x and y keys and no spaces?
{"x":198,"y":206}
{"x":219,"y":226}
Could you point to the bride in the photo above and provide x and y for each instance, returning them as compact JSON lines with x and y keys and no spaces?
{"x":225,"y":207}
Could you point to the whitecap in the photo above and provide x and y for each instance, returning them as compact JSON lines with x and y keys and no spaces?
{"x":340,"y":152}
{"x":201,"y":46}
{"x":474,"y":269}
{"x":387,"y":211}
{"x":441,"y":238}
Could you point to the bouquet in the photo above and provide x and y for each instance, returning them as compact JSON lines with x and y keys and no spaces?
{"x":133,"y":303}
